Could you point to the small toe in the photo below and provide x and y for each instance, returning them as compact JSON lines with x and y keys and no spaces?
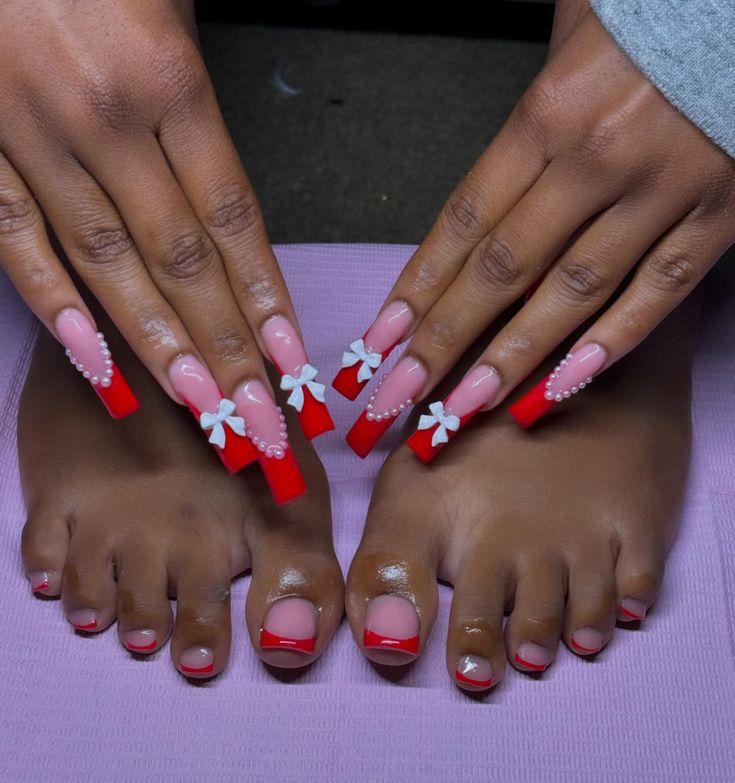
{"x":44,"y":547}
{"x":639,"y":573}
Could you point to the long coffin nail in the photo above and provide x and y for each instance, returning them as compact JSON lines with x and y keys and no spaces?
{"x":570,"y":376}
{"x":142,"y":641}
{"x":298,"y":376}
{"x":445,"y":419}
{"x":266,"y":428}
{"x":392,"y":625}
{"x":473,"y":673}
{"x":214,"y":413}
{"x":290,"y":624}
{"x":196,"y":661}
{"x":369,"y":352}
{"x":88,"y":352}
{"x":393,"y":394}
{"x":83,"y":619}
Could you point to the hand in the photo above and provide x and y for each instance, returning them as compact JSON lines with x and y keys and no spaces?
{"x":110,"y":129}
{"x":595,"y":182}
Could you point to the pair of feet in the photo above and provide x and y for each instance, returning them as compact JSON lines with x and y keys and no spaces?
{"x":564,"y":528}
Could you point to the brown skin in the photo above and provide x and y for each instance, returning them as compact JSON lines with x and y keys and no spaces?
{"x":111,"y":130}
{"x":125,"y":514}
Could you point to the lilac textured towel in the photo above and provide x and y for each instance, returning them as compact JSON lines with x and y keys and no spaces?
{"x":657,"y":705}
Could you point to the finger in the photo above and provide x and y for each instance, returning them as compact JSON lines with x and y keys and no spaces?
{"x":34,"y":269}
{"x":667,"y":274}
{"x":208,"y":169}
{"x":496,"y":183}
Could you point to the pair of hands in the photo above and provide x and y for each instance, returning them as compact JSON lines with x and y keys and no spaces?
{"x":111,"y":130}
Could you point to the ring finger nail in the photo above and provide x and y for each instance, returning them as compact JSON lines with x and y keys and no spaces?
{"x":297,"y":376}
{"x":392,"y":396}
{"x":291,"y":624}
{"x":587,"y":641}
{"x":266,"y":428}
{"x":215,"y":414}
{"x":391,"y":624}
{"x":368,"y":353}
{"x":88,"y":352}
{"x":473,"y":673}
{"x":197,"y":660}
{"x":83,"y":619}
{"x":141,"y":641}
{"x":474,"y":391}
{"x":570,"y":376}
{"x":532,"y":656}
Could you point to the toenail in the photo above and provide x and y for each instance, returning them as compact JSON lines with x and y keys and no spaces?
{"x":391,"y":623}
{"x":39,"y":580}
{"x":631,"y":609}
{"x":196,"y":660}
{"x":141,"y":641}
{"x":587,"y":640}
{"x":290,"y":624}
{"x":473,"y":673}
{"x":532,"y":656}
{"x":83,"y":619}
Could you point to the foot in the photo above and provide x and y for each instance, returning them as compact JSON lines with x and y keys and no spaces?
{"x":564,"y":527}
{"x":124,"y":515}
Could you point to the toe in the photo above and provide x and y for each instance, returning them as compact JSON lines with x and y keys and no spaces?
{"x":534,"y":626}
{"x":475,"y":648}
{"x":89,"y":592}
{"x":200,"y":644}
{"x":638,"y":575}
{"x":44,"y":546}
{"x":144,"y":616}
{"x":590,"y":616}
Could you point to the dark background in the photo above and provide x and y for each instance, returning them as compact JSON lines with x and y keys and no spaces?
{"x":356,"y":119}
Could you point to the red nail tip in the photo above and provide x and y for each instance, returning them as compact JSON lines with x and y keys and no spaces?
{"x":200,"y":670}
{"x":366,"y":433}
{"x":529,"y":665}
{"x":577,"y":646}
{"x":283,"y":476}
{"x":628,"y":613}
{"x":238,"y":451}
{"x":420,"y":441}
{"x":136,"y":647}
{"x":270,"y":641}
{"x":532,"y":406}
{"x":477,"y":683}
{"x":372,"y":639}
{"x":346,"y":383}
{"x":118,"y":397}
{"x":314,"y":417}
{"x":88,"y":627}
{"x":41,"y":586}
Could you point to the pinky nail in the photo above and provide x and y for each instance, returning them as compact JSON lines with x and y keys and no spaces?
{"x":87,"y":350}
{"x":394,"y":394}
{"x":298,"y":376}
{"x":365,"y":355}
{"x":226,"y":432}
{"x":266,"y":429}
{"x":574,"y":373}
{"x":445,"y":419}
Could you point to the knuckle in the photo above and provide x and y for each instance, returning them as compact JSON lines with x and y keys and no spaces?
{"x":110,"y":105}
{"x":579,"y":281}
{"x":18,"y":213}
{"x":181,"y":74}
{"x":537,"y":111}
{"x":496,"y":265}
{"x":189,"y":257}
{"x":102,"y":244}
{"x":464,"y":210}
{"x":234,"y":212}
{"x":672,"y":274}
{"x":259,"y":286}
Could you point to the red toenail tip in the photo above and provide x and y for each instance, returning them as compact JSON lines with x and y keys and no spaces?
{"x":270,"y":641}
{"x":88,"y":627}
{"x":535,"y":666}
{"x":375,"y":640}
{"x":577,"y":646}
{"x":477,"y":683}
{"x":628,"y":613}
{"x":137,"y":647}
{"x":196,"y":670}
{"x":40,"y":586}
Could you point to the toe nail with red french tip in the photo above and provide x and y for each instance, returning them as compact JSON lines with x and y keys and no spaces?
{"x":291,"y":624}
{"x":83,"y":620}
{"x":196,"y":661}
{"x":391,"y":628}
{"x":631,"y":610}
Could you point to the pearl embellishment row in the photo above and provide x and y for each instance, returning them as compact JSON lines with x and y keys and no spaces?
{"x":275,"y":450}
{"x":549,"y":394}
{"x":372,"y":415}
{"x":106,"y":379}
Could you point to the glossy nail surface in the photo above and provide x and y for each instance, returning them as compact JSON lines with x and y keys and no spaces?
{"x":197,"y":661}
{"x":291,"y":624}
{"x":87,"y":350}
{"x":83,"y":619}
{"x":141,"y":641}
{"x":473,"y":673}
{"x":391,"y":627}
{"x":39,"y":581}
{"x":532,"y":656}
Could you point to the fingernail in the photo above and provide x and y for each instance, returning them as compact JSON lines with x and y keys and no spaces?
{"x":298,"y":377}
{"x":532,"y":656}
{"x":445,"y":419}
{"x":570,"y":376}
{"x":290,"y":624}
{"x":266,"y":428}
{"x":631,"y":609}
{"x":196,"y":660}
{"x":587,"y":640}
{"x":141,"y":641}
{"x":474,"y":673}
{"x":365,"y":355}
{"x":215,"y":414}
{"x":393,"y":394}
{"x":83,"y":619}
{"x":88,"y":352}
{"x":39,"y":581}
{"x":391,"y":624}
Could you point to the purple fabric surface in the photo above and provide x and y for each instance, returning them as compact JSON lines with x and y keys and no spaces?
{"x":657,"y":705}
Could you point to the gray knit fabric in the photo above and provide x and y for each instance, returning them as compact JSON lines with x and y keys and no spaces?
{"x":686,"y":48}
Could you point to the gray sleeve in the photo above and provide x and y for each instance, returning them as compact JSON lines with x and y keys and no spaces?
{"x":686,"y":48}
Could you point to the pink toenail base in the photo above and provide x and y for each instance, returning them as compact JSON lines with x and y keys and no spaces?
{"x":473,"y":673}
{"x":391,"y":625}
{"x":197,"y":660}
{"x":291,"y":624}
{"x":39,"y":580}
{"x":141,"y":641}
{"x":83,"y":620}
{"x":532,"y":656}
